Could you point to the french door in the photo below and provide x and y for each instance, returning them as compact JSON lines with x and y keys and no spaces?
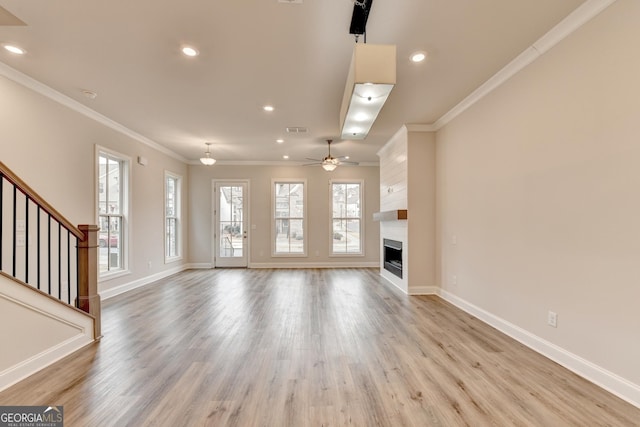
{"x":231,"y":217}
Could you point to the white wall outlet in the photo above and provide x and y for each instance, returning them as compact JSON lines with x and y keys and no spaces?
{"x":21,"y":240}
{"x":454,"y":280}
{"x":21,"y":225}
{"x":454,"y":240}
{"x":552,"y":319}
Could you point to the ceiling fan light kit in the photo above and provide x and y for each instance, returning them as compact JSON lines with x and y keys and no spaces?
{"x":330,"y":163}
{"x":372,"y":76}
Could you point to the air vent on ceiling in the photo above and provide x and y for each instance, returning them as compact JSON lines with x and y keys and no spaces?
{"x":290,"y":1}
{"x":297,"y":129}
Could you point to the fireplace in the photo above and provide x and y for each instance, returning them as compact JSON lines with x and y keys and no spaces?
{"x":393,"y":256}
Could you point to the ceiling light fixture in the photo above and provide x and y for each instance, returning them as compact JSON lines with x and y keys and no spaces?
{"x":371,"y":77}
{"x":279,"y":141}
{"x":268,"y":108}
{"x":14,"y":49}
{"x":330,"y":164}
{"x":207,"y":159}
{"x":285,"y":157}
{"x":190,"y":51}
{"x":418,"y":56}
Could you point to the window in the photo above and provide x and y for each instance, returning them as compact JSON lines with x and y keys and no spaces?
{"x":289,"y":217}
{"x":172,"y":216}
{"x":112,"y":211}
{"x":346,"y":221}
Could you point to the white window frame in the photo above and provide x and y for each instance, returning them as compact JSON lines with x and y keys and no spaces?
{"x":125,"y":200}
{"x":177,"y":217}
{"x":305,"y":239}
{"x":360,"y":218}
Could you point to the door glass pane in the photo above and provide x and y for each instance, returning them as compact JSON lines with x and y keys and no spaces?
{"x":231,"y":230}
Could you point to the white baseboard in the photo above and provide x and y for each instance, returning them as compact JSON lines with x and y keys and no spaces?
{"x":28,"y":367}
{"x":609,"y":381}
{"x":199,"y":266}
{"x":393,"y":282}
{"x":424,"y":290}
{"x":112,"y":292}
{"x":314,"y":265}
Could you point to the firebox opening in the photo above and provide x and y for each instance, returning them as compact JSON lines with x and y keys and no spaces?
{"x":393,"y":256}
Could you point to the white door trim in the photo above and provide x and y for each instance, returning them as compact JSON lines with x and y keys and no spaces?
{"x":245,"y":260}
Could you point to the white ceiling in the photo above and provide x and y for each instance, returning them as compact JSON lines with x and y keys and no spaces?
{"x":257,"y":52}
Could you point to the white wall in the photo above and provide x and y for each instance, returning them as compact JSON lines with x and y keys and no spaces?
{"x":51,"y":147}
{"x":539,"y":183}
{"x":319,"y":215}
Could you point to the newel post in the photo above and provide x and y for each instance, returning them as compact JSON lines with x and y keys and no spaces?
{"x":88,"y":298}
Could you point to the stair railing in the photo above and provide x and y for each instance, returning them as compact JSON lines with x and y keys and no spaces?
{"x":42,"y":249}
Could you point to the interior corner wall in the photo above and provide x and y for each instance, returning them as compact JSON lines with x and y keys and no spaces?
{"x":52,"y":148}
{"x":421,"y":189}
{"x":539,"y":196}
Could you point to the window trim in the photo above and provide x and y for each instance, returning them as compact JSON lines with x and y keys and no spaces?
{"x":305,"y":242}
{"x":361,"y":218}
{"x":126,"y":209}
{"x":178,"y":204}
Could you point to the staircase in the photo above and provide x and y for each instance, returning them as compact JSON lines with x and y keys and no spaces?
{"x":49,"y":305}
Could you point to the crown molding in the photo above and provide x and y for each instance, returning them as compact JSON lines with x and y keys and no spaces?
{"x":576,"y":19}
{"x":38,"y":87}
{"x":291,"y":163}
{"x":416,"y":127}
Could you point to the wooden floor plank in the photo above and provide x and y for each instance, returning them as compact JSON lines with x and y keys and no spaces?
{"x":310,"y":347}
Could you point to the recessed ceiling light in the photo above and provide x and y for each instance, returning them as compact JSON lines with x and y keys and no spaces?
{"x":346,"y":157}
{"x":268,"y":108}
{"x":14,"y":49}
{"x":190,"y":51}
{"x":279,"y":141}
{"x":285,"y":157}
{"x":418,"y":56}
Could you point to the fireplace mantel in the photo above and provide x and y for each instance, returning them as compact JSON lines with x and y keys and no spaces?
{"x":395,"y":215}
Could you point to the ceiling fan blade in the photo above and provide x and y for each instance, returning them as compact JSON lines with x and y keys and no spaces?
{"x":313,"y":160}
{"x":312,"y":164}
{"x":347,"y":162}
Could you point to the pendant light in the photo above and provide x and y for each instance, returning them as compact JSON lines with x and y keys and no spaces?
{"x":207,"y":159}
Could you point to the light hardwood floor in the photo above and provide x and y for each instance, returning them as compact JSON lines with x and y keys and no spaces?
{"x":307,"y":348}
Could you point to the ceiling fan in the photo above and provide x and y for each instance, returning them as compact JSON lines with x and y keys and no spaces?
{"x":329,"y":163}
